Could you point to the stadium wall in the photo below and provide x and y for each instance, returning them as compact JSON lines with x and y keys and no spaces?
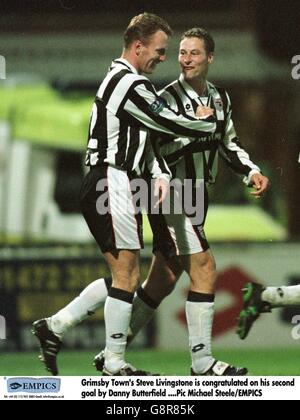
{"x":86,"y":57}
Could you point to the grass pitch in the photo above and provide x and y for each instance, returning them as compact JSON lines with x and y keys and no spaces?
{"x":266,"y":362}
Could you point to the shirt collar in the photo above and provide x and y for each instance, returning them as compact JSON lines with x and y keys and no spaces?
{"x":189,"y":90}
{"x":126,"y":64}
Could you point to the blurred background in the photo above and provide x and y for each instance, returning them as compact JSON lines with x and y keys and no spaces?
{"x":53,"y":56}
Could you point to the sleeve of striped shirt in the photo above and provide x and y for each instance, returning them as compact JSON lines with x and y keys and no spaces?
{"x":155,"y":163}
{"x":143,"y":104}
{"x":178,"y":142}
{"x":169,"y":99}
{"x":232,"y":151}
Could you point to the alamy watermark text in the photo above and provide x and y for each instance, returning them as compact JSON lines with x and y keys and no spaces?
{"x":2,"y":328}
{"x":296,"y":68}
{"x":138,"y":197}
{"x":296,"y":329}
{"x":2,"y":67}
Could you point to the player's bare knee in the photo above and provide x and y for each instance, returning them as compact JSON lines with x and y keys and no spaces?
{"x":172,"y":273}
{"x":200,"y":262}
{"x":202,"y":272}
{"x":126,"y":280}
{"x":162,"y":277}
{"x":209,"y":272}
{"x":169,"y":286}
{"x":160,"y":287}
{"x":206,"y":264}
{"x":210,"y":266}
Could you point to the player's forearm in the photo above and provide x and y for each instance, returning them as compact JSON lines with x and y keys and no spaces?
{"x":154,"y":161}
{"x":158,"y":168}
{"x":238,"y":159}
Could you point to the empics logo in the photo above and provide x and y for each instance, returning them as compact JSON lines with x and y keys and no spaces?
{"x":33,"y":386}
{"x":2,"y":328}
{"x":2,"y":67}
{"x":296,"y":69}
{"x":15,"y":385}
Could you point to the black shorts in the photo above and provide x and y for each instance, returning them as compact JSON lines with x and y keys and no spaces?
{"x":106,"y":204}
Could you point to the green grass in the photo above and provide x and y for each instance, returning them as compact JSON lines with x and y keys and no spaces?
{"x":266,"y":362}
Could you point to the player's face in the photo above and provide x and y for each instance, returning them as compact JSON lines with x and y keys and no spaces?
{"x":153,"y":53}
{"x":193,"y":59}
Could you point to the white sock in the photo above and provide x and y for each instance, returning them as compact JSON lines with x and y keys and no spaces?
{"x":92,"y":298}
{"x":142,"y":313}
{"x":282,"y":296}
{"x":117,"y":315}
{"x":200,"y":320}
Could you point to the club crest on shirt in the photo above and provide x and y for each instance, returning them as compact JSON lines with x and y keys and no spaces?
{"x":218,"y":104}
{"x":157,"y":106}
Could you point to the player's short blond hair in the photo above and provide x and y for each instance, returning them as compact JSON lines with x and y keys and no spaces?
{"x":143,"y":26}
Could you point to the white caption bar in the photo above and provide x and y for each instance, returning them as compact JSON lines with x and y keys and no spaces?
{"x":151,"y":388}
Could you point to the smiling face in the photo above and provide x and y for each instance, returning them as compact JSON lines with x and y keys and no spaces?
{"x":193,"y":58}
{"x":151,"y":53}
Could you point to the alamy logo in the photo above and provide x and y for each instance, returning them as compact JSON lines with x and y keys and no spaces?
{"x":33,"y":386}
{"x":2,"y":67}
{"x":2,"y":328}
{"x":296,"y":329}
{"x":296,"y":69}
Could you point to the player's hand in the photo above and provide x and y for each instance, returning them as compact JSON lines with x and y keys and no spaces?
{"x":260,"y":183}
{"x":204,"y":111}
{"x":161,"y":189}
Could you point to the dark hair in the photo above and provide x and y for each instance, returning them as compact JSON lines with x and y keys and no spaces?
{"x":143,"y":26}
{"x":201,"y":33}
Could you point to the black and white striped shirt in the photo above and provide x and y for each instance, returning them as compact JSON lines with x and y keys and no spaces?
{"x":125,"y":108}
{"x":202,"y":155}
